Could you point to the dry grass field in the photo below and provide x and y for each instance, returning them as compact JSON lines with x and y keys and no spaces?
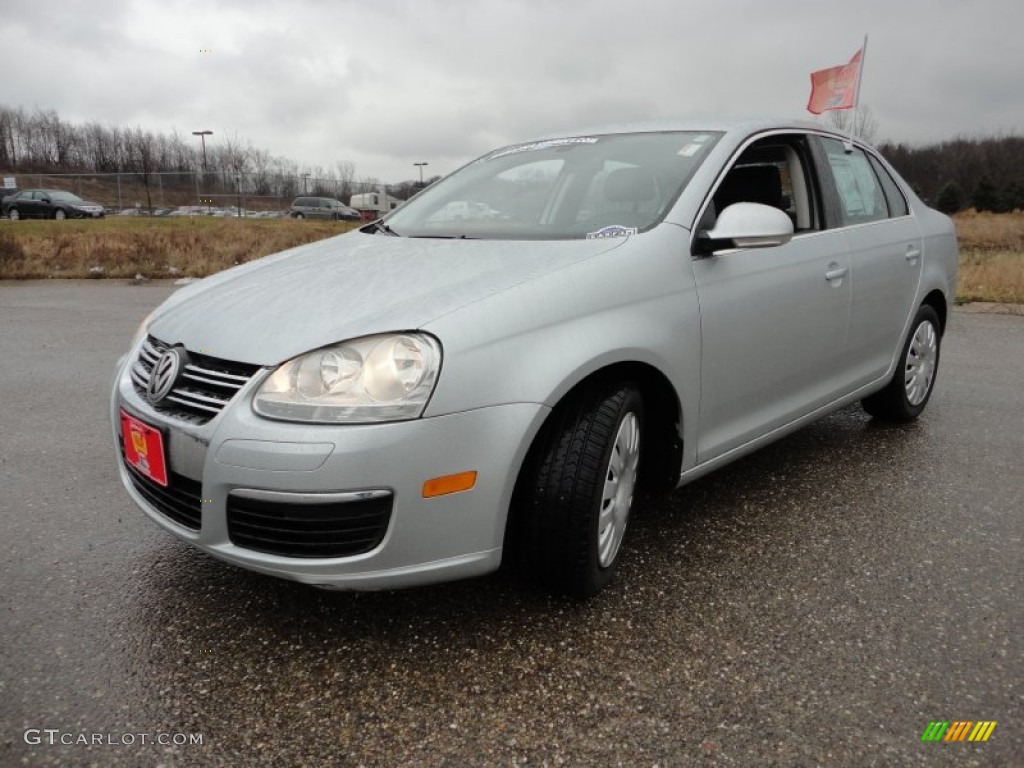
{"x":991,"y":257}
{"x":154,"y":248}
{"x":991,"y":248}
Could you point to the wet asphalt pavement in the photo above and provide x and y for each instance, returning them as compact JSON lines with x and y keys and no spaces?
{"x":818,"y":603}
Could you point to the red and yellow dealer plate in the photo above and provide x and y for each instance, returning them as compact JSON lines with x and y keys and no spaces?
{"x":144,"y":448}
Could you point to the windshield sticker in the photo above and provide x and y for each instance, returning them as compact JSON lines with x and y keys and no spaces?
{"x":546,"y":145}
{"x":613,"y":230}
{"x":689,"y":150}
{"x":701,"y":139}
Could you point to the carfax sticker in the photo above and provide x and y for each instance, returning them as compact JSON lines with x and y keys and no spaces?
{"x":547,"y":144}
{"x":613,"y":230}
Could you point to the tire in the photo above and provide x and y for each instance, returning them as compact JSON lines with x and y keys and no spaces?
{"x":299,"y":216}
{"x":13,"y":214}
{"x":574,"y":499}
{"x":908,"y":392}
{"x":59,"y":214}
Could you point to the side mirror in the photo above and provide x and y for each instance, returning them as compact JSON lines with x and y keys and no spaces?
{"x":747,"y":225}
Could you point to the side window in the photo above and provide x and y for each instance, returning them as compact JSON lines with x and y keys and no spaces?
{"x":860,"y":194}
{"x":893,"y":196}
{"x":774,"y":171}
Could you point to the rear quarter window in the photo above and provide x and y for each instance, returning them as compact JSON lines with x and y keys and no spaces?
{"x":893,"y":195}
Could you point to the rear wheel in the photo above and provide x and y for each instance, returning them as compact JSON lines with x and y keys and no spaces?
{"x":910,"y":388}
{"x":13,"y":214}
{"x":59,"y":214}
{"x":577,"y":490}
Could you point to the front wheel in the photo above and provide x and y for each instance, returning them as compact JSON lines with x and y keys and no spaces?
{"x":13,"y":214}
{"x":59,"y":214}
{"x":578,"y":488}
{"x":910,"y":388}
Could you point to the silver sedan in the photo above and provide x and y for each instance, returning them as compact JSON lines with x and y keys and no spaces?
{"x":494,"y":372}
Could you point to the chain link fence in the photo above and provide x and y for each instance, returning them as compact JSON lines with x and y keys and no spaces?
{"x":214,"y":190}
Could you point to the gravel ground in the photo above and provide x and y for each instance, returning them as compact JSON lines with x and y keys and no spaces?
{"x":817,"y":603}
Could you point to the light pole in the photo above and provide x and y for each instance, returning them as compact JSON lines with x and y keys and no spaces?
{"x":420,"y":166}
{"x":202,"y":137}
{"x":305,"y":176}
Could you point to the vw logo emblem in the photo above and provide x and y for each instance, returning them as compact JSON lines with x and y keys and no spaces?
{"x":164,"y":375}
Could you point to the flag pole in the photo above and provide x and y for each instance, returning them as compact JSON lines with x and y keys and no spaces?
{"x":856,"y":93}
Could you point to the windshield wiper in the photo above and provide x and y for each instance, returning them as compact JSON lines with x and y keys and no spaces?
{"x":379,"y":227}
{"x":445,"y":237}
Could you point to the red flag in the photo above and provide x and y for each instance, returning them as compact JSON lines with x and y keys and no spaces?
{"x":835,"y":87}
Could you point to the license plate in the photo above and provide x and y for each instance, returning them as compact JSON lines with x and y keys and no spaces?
{"x":144,"y":448}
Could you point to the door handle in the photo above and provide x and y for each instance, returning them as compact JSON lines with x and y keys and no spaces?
{"x":912,"y":254}
{"x":835,"y":272}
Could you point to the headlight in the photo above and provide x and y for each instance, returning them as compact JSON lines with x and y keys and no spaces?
{"x":388,"y":377}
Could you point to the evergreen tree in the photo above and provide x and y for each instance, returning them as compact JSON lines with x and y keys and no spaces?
{"x":985,"y":197}
{"x":950,"y":199}
{"x":1013,"y":196}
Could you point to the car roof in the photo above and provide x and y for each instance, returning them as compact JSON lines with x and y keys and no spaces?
{"x":736,"y":125}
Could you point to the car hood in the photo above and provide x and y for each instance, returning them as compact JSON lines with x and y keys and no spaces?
{"x":273,"y":309}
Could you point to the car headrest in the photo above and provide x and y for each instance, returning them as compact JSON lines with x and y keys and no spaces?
{"x":629,"y":185}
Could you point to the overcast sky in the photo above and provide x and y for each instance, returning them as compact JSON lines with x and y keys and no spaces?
{"x":386,"y":83}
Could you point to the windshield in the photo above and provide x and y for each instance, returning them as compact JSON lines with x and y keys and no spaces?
{"x":67,"y":197}
{"x":573,"y":188}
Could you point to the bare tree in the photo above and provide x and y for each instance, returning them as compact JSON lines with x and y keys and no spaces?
{"x":141,"y":152}
{"x":261,"y":164}
{"x":865,"y":126}
{"x":346,"y":177}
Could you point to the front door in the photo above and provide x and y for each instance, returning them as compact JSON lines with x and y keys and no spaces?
{"x":773,"y":336}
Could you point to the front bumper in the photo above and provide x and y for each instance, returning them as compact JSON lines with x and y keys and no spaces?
{"x":427,"y":540}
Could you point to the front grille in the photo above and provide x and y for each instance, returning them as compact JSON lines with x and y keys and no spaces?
{"x":337,"y":529}
{"x":205,"y":388}
{"x":181,"y":500}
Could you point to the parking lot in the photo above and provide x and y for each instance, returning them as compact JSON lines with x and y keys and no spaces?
{"x":817,"y":603}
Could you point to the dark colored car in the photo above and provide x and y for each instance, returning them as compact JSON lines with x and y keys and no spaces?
{"x":323,"y":208}
{"x":49,"y":204}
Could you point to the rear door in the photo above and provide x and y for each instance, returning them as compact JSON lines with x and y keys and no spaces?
{"x":35,"y":205}
{"x":885,"y":245}
{"x":773,"y":320}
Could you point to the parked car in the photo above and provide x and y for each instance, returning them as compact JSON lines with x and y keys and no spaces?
{"x":49,"y":204}
{"x":322,"y":208}
{"x":424,"y":398}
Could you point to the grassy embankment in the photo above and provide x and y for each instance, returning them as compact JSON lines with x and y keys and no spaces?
{"x":991,"y":248}
{"x":991,"y":257}
{"x":154,"y":248}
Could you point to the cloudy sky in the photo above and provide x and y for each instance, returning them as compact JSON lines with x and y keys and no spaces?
{"x":386,"y":83}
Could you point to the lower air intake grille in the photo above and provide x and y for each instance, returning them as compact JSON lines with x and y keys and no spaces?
{"x":336,"y":529}
{"x":180,"y":500}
